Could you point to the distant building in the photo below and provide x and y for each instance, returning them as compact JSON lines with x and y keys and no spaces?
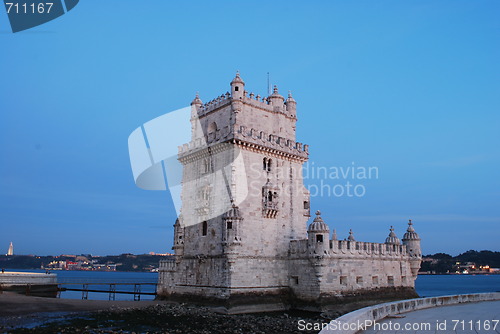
{"x":10,"y":252}
{"x":160,"y":254}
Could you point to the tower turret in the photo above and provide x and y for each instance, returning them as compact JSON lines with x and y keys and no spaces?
{"x":231,"y":225}
{"x":237,"y":87}
{"x":291,"y":106}
{"x":392,"y":239}
{"x":351,"y":235}
{"x":412,"y":242}
{"x":275,"y":99}
{"x":318,"y":234}
{"x":195,"y":111}
{"x":178,"y":238}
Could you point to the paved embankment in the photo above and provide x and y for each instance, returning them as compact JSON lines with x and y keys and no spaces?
{"x":473,"y":311}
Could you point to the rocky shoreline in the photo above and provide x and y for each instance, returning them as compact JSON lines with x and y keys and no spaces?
{"x":173,"y":319}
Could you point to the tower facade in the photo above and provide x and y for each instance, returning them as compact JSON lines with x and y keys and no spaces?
{"x":241,"y":237}
{"x":242,"y":197}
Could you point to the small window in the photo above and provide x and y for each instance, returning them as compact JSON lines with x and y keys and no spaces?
{"x":390,"y":280}
{"x":204,"y":228}
{"x":270,"y":196}
{"x":319,"y":238}
{"x":343,"y":280}
{"x":266,"y":164}
{"x":295,"y":280}
{"x":229,"y":225}
{"x":403,"y":279}
{"x":359,"y":280}
{"x":236,"y":88}
{"x":306,"y":205}
{"x":375,"y":280}
{"x":207,"y":165}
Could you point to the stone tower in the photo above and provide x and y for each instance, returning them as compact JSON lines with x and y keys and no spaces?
{"x":243,"y":198}
{"x":10,"y":252}
{"x":241,"y":241}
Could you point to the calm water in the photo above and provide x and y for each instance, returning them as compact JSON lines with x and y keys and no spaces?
{"x":440,"y":285}
{"x":426,"y":285}
{"x":75,"y":279}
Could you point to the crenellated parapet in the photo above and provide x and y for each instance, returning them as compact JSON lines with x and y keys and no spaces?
{"x":318,"y":244}
{"x":215,"y":104}
{"x":167,"y":265}
{"x":219,"y":136}
{"x":271,"y":141}
{"x":243,"y":135}
{"x":347,"y":249}
{"x":274,"y":103}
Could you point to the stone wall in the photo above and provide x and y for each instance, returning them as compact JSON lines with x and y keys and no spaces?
{"x":381,"y":311}
{"x":20,"y":278}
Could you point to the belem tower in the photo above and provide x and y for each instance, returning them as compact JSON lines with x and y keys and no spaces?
{"x":242,"y":238}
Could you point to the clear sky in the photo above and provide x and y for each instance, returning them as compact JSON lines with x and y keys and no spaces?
{"x":411,"y":87}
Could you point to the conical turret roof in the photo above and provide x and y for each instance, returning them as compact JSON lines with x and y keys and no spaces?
{"x":392,"y":239}
{"x":318,"y":225}
{"x":410,"y":233}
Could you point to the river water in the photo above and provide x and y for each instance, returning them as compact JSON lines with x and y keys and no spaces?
{"x":426,"y":285}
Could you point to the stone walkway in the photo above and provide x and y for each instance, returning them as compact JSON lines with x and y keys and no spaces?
{"x":475,"y":318}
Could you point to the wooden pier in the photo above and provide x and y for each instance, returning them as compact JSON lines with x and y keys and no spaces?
{"x":87,"y":287}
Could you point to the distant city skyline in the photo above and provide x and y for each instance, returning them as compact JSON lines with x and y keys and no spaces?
{"x":410,"y":89}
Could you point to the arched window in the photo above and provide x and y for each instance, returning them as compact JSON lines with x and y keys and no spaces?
{"x":204,"y":228}
{"x":319,"y":238}
{"x":270,"y":196}
{"x":212,"y":127}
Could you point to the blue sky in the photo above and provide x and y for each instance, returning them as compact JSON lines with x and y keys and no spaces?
{"x":411,"y":87}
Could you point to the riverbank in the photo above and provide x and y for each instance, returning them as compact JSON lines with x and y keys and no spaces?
{"x":25,"y":314}
{"x":13,"y":304}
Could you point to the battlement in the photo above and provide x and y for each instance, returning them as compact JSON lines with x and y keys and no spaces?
{"x":267,"y":103}
{"x":214,"y":104}
{"x":255,"y":136}
{"x":346,"y":248}
{"x":252,"y":136}
{"x":167,"y":265}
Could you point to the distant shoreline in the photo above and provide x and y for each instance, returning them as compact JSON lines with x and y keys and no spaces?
{"x":455,"y":274}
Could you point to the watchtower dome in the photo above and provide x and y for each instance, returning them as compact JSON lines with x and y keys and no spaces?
{"x":412,"y":241}
{"x":318,"y":233}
